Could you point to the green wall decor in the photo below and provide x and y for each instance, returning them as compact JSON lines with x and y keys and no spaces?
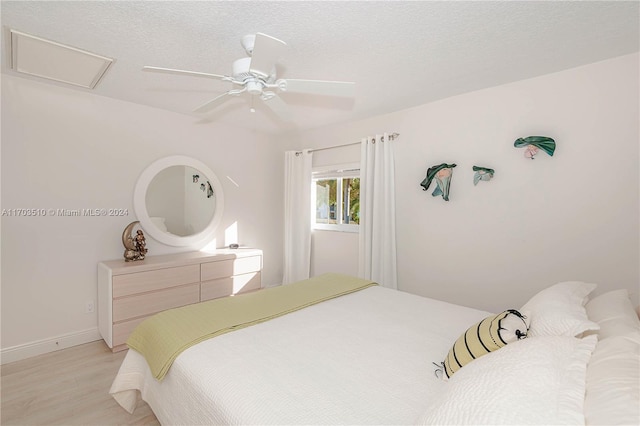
{"x":482,"y":173}
{"x":533,"y":143}
{"x":442,"y":174}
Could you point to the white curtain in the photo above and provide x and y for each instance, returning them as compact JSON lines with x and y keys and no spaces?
{"x":377,"y":241}
{"x":297,"y":216}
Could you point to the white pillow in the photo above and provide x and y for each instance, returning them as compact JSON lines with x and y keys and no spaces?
{"x":559,"y":310}
{"x":614,"y":313}
{"x":613,"y":382}
{"x":538,"y":380}
{"x":613,"y":374}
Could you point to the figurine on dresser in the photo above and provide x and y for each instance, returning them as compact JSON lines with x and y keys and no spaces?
{"x":140,"y":244}
{"x":134,"y":247}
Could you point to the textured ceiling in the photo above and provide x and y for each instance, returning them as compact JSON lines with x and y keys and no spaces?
{"x":399,"y":53}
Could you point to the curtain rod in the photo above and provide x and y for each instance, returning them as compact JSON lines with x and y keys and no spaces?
{"x":391,"y":136}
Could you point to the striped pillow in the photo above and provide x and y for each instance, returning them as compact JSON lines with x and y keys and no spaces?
{"x":488,"y":335}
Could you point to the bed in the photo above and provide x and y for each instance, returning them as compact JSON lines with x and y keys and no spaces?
{"x":373,"y":356}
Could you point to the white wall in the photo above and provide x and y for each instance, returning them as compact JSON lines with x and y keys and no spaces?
{"x":573,"y":216}
{"x":334,"y":252}
{"x":71,"y":149}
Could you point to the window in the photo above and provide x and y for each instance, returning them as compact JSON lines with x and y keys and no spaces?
{"x":336,"y":191}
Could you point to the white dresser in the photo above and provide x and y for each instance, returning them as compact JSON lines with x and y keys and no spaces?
{"x":129,"y":292}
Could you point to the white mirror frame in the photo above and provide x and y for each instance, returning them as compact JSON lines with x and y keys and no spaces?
{"x":140,"y":206}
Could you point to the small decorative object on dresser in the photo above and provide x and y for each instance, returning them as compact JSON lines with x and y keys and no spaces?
{"x":134,"y":246}
{"x":129,"y":292}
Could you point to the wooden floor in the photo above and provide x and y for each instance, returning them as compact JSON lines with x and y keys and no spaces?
{"x":67,"y":387}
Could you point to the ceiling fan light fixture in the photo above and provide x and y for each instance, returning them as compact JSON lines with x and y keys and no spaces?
{"x":254,"y":87}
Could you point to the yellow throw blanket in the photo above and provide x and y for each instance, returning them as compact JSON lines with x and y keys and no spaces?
{"x":162,"y":337}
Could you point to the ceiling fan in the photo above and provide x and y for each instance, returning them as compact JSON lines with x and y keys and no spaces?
{"x":256,"y":75}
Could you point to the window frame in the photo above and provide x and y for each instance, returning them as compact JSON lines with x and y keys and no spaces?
{"x":339,"y":172}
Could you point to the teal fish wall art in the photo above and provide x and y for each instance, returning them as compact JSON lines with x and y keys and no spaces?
{"x":442,"y":174}
{"x":482,"y":173}
{"x":533,"y":143}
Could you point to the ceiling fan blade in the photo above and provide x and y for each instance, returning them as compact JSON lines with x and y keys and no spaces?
{"x":318,"y":87}
{"x":266,"y":52}
{"x":208,"y":106}
{"x":278,"y":106}
{"x":182,"y":72}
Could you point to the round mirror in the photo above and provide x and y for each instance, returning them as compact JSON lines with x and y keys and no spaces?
{"x":178,"y":201}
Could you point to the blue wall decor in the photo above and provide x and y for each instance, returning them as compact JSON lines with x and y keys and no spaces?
{"x":482,"y":173}
{"x":442,"y":174}
{"x":533,"y":143}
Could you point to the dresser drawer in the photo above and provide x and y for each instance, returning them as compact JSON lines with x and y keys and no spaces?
{"x":149,"y":303}
{"x":229,"y":267}
{"x":140,"y":282}
{"x":122,"y":330}
{"x":231,"y":285}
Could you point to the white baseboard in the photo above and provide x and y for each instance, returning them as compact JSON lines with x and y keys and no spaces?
{"x":39,"y":347}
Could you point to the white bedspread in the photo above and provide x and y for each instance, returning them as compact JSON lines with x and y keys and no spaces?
{"x":364,"y":358}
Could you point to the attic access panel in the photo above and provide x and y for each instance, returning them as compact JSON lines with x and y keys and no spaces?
{"x":43,"y":58}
